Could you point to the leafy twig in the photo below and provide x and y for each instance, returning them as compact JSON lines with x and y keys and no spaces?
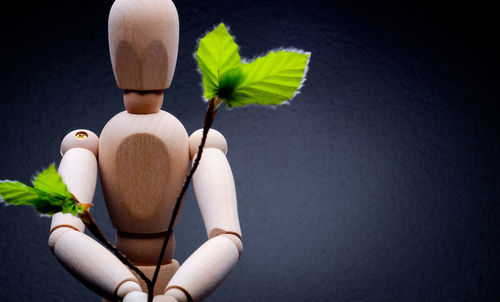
{"x":268,"y":80}
{"x":50,"y":195}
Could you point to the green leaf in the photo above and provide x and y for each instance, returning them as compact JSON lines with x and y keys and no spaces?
{"x":16,"y":193}
{"x":217,"y":53}
{"x":49,"y":195}
{"x":228,"y":82}
{"x":51,"y":182}
{"x":270,"y":80}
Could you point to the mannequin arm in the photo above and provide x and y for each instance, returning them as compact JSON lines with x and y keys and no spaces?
{"x":210,"y":264}
{"x":81,"y":255}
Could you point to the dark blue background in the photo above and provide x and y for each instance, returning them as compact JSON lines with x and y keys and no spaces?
{"x":378,"y":183}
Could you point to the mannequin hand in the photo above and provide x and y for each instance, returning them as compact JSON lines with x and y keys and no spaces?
{"x":136,"y":297}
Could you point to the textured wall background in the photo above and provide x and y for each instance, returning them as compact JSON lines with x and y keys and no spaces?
{"x":378,"y":183}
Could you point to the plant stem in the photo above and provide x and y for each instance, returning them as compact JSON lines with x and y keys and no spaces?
{"x":92,"y":226}
{"x":209,"y":118}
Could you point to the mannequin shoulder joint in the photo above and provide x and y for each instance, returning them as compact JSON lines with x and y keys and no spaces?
{"x":214,"y":140}
{"x":80,"y":138}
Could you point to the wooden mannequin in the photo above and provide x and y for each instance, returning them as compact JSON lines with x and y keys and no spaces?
{"x":143,"y":155}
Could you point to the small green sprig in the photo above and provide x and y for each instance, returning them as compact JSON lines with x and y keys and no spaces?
{"x":268,"y":80}
{"x":49,"y":194}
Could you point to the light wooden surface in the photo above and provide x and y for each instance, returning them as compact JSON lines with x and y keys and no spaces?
{"x":143,"y":42}
{"x":235,"y":239}
{"x":89,"y":262}
{"x":143,"y":160}
{"x":166,"y":273}
{"x":80,"y":138}
{"x":142,"y":102}
{"x":216,"y":194}
{"x":128,"y":289}
{"x":144,"y":156}
{"x":163,"y":298}
{"x":136,"y":297}
{"x":144,"y":249}
{"x":81,"y":255}
{"x":205,"y":269}
{"x":214,"y":140}
{"x":78,"y":169}
{"x":66,"y":220}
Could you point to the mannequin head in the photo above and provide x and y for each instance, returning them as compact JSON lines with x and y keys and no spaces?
{"x":143,"y":43}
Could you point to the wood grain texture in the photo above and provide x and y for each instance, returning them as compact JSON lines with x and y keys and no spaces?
{"x":136,"y":297}
{"x":143,"y":162}
{"x":68,"y":220}
{"x":176,"y":292}
{"x":214,"y":140}
{"x":89,"y":262}
{"x":216,"y":194}
{"x":142,"y":102}
{"x":165,"y":275}
{"x":126,"y":288}
{"x":78,"y":169}
{"x":80,"y":138}
{"x":164,"y":298}
{"x":236,"y":239}
{"x":82,"y":256}
{"x":143,"y":43}
{"x":206,"y":268}
{"x":144,"y":249}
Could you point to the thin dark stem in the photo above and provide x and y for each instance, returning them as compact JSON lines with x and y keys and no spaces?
{"x":209,"y":118}
{"x":92,"y":226}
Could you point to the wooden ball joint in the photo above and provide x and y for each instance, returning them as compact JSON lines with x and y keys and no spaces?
{"x":143,"y":155}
